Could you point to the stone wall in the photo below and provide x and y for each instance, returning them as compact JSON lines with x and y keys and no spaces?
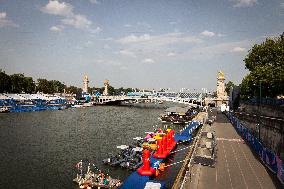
{"x":271,"y":125}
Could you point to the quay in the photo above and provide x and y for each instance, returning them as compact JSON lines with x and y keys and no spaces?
{"x":236,"y":165}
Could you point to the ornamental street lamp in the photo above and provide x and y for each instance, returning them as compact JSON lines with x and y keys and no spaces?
{"x":259,"y":108}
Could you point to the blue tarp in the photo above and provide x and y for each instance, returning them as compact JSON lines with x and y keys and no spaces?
{"x":186,"y":133}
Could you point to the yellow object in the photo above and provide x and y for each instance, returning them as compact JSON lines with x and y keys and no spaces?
{"x":159,"y":136}
{"x":157,"y":173}
{"x":221,"y":74}
{"x":149,"y":146}
{"x":168,"y":130}
{"x":162,"y":166}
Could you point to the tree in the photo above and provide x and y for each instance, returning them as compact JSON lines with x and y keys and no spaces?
{"x":17,"y":83}
{"x":5,"y":82}
{"x":29,"y":85}
{"x":228,"y":86}
{"x":265,"y":62}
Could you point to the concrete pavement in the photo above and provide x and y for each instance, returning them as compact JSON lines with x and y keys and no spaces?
{"x":236,"y":165}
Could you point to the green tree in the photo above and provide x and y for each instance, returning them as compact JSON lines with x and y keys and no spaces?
{"x":265,"y":62}
{"x":228,"y":86}
{"x":29,"y":85}
{"x":5,"y":82}
{"x":111,"y":90}
{"x":44,"y":86}
{"x":17,"y":83}
{"x":57,"y":86}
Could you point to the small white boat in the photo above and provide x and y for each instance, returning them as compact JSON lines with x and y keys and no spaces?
{"x":88,"y":104}
{"x":4,"y":109}
{"x":77,"y":106}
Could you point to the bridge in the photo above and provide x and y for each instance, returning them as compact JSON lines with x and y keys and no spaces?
{"x":192,"y":99}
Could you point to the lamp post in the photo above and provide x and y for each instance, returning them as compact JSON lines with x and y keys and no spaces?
{"x":259,"y":108}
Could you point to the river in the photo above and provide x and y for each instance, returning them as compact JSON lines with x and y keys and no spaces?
{"x":40,"y":149}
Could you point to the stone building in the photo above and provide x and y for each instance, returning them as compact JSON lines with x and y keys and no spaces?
{"x":222,"y":97}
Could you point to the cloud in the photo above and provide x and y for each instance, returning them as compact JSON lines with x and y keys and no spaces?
{"x":65,"y":10}
{"x":127,"y":53}
{"x":238,"y":49}
{"x":57,"y":8}
{"x":56,"y":28}
{"x":108,"y":62}
{"x":244,"y":3}
{"x":134,"y":39}
{"x":148,"y":61}
{"x":158,"y":40}
{"x":221,"y":35}
{"x":207,"y":33}
{"x":78,"y":21}
{"x":171,"y":54}
{"x":282,"y":4}
{"x":106,"y":46}
{"x":97,"y":30}
{"x":94,"y":1}
{"x":5,"y":22}
{"x":127,"y":25}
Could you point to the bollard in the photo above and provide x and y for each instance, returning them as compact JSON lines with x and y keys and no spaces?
{"x":159,"y":154}
{"x":173,"y":142}
{"x":146,"y":170}
{"x":165,"y":149}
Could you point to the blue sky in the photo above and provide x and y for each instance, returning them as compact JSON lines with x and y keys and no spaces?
{"x":135,"y":43}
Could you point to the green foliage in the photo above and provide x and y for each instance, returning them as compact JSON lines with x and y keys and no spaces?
{"x":50,"y":87}
{"x":266,"y":65}
{"x":20,"y":83}
{"x":73,"y":90}
{"x":228,"y":86}
{"x":5,"y":82}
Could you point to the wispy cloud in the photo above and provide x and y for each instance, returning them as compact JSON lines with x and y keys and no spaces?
{"x":126,"y":52}
{"x":127,"y":25}
{"x":207,"y":33}
{"x":5,"y":22}
{"x":148,"y":61}
{"x":134,"y":39}
{"x":171,"y":54}
{"x":78,"y":21}
{"x":94,"y":1}
{"x":244,"y":3}
{"x":57,"y":29}
{"x":238,"y":49}
{"x":66,"y":11}
{"x":108,"y":62}
{"x":159,"y":40}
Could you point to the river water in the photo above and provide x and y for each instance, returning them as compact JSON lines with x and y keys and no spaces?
{"x":40,"y":149}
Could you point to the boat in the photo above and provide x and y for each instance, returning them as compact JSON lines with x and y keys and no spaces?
{"x":4,"y":109}
{"x":177,"y":115}
{"x":95,"y":180}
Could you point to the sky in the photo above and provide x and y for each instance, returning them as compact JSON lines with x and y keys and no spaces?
{"x":135,"y":43}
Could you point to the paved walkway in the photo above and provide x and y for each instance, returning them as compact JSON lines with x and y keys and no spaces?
{"x":236,"y":166}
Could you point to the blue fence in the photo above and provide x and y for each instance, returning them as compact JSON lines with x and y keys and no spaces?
{"x":272,"y":161}
{"x":265,"y":101}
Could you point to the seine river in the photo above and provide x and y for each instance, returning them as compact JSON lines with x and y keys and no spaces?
{"x":40,"y":149}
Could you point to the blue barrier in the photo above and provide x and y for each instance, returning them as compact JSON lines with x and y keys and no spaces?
{"x":270,"y":160}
